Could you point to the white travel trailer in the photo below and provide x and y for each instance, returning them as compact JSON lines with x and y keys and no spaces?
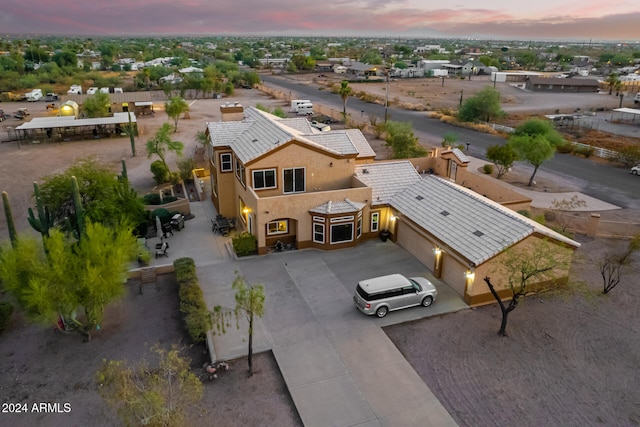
{"x":305,"y":109}
{"x":75,"y":90}
{"x":34,"y":95}
{"x":295,"y":103}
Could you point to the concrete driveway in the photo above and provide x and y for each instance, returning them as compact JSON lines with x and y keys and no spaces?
{"x":340,"y":367}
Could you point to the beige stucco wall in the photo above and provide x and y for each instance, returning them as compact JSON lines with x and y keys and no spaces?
{"x":479,"y":291}
{"x":297,"y":206}
{"x":323,"y":171}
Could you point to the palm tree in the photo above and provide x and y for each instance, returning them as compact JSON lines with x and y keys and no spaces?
{"x":612,"y":80}
{"x":345,"y":91}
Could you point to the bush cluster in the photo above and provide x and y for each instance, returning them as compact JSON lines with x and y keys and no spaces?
{"x":245,"y":244}
{"x":192,"y":305}
{"x":487,"y":168}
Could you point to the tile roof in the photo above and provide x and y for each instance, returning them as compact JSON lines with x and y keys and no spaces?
{"x":261,"y":132}
{"x":339,"y":207}
{"x":387,"y":178}
{"x":466,"y":222}
{"x":335,"y":140}
{"x":460,"y":155}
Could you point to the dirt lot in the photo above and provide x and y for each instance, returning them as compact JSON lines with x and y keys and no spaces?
{"x":38,"y":365}
{"x":565,"y":362}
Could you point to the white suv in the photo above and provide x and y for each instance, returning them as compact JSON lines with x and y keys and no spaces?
{"x":635,"y":170}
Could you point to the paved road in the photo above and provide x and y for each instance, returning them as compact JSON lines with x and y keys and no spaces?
{"x":602,"y":181}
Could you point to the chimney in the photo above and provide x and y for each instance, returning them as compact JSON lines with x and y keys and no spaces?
{"x":232,"y":112}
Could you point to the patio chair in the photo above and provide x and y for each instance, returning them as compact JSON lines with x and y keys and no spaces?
{"x":163,"y":250}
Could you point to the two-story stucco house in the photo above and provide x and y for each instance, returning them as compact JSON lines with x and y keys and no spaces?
{"x":286,"y":181}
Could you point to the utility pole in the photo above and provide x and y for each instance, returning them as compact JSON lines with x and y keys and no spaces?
{"x":386,"y":99}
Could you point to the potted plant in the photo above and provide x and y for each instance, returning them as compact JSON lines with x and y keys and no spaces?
{"x":384,"y":235}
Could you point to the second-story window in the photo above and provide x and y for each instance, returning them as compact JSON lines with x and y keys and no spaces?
{"x":263,"y":179}
{"x":294,"y":180}
{"x":225,"y":162}
{"x":240,"y":171}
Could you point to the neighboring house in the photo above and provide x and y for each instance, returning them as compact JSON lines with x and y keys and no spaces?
{"x":287,"y":182}
{"x":543,"y":84}
{"x":172,"y":78}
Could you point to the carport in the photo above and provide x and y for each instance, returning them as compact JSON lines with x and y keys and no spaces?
{"x":68,"y":128}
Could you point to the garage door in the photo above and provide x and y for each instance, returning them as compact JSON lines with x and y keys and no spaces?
{"x":416,"y":244}
{"x":453,"y":273}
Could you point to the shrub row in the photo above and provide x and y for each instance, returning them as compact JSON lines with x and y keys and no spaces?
{"x":245,"y":244}
{"x":192,"y":305}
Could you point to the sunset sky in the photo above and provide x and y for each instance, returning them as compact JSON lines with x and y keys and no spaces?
{"x":540,"y":19}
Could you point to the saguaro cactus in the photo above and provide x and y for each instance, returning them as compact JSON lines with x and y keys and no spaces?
{"x":78,"y":206}
{"x":43,"y":222}
{"x":10,"y":223}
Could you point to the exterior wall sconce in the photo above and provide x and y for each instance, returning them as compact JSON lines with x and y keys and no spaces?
{"x":392,"y":217}
{"x":437,"y":251}
{"x":470,"y":275}
{"x":246,"y":210}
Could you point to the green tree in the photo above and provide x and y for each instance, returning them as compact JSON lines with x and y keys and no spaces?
{"x":344,"y":92}
{"x":202,"y":137}
{"x":484,"y":105}
{"x":249,"y":304}
{"x":403,"y":142}
{"x":70,"y":275}
{"x":160,"y":395}
{"x":161,"y":142}
{"x":503,"y":157}
{"x":449,"y":139}
{"x":612,"y":81}
{"x":174,"y":108}
{"x":102,"y":196}
{"x":535,"y":141}
{"x":97,"y":105}
{"x":520,"y":267}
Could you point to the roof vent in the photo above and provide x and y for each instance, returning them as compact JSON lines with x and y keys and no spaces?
{"x":419,"y":198}
{"x":444,"y":213}
{"x":365,"y":171}
{"x":255,"y":140}
{"x":478,"y":233}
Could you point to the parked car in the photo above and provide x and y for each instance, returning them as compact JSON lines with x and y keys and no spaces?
{"x":21,"y":114}
{"x":92,"y":90}
{"x":635,"y":170}
{"x":50,"y":97}
{"x":383,"y":294}
{"x":637,"y":98}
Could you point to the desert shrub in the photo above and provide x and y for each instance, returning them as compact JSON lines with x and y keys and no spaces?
{"x":160,"y":172}
{"x":192,"y":304}
{"x":245,"y":244}
{"x":565,"y":148}
{"x":169,"y":199}
{"x":488,"y":169}
{"x":152,"y":199}
{"x":550,"y":216}
{"x":584,"y":151}
{"x":186,"y":166}
{"x":6,"y":310}
{"x":525,"y":213}
{"x":540,"y":219}
{"x":628,"y":156}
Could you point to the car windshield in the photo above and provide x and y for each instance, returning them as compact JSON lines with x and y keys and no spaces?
{"x":416,"y":285}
